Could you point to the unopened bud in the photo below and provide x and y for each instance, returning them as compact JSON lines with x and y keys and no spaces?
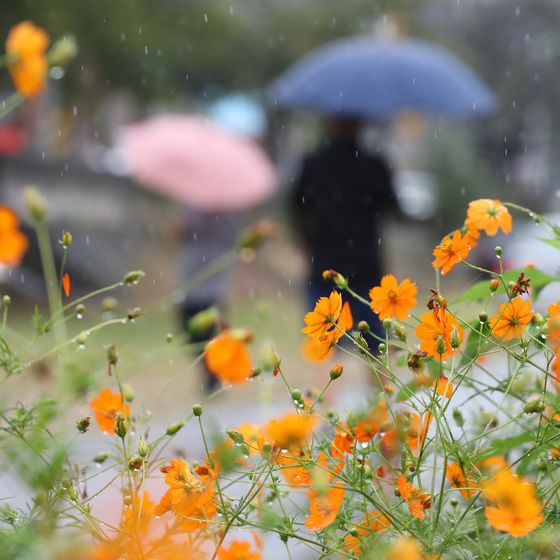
{"x":458,"y":417}
{"x":35,"y":204}
{"x":134,"y":313}
{"x":400,"y":332}
{"x":296,"y":395}
{"x":499,"y":251}
{"x":80,"y":310}
{"x":387,"y":324}
{"x":338,"y":279}
{"x":63,"y":51}
{"x":494,"y":284}
{"x":135,"y":463}
{"x":236,"y":437}
{"x":72,"y":492}
{"x":172,"y":429}
{"x":112,"y":354}
{"x":483,"y":316}
{"x":257,"y":233}
{"x":363,"y":327}
{"x":133,"y":277}
{"x":455,"y":339}
{"x":66,"y":239}
{"x":533,"y":405}
{"x":336,"y":371}
{"x":389,"y":389}
{"x":197,"y":410}
{"x":127,"y":500}
{"x":169,"y":338}
{"x":128,"y":392}
{"x":142,"y":447}
{"x":120,"y":426}
{"x":6,"y":300}
{"x":81,"y":338}
{"x":101,"y":457}
{"x":362,"y":343}
{"x":382,"y":348}
{"x":538,"y":319}
{"x":203,"y":322}
{"x":82,"y":424}
{"x":109,"y":303}
{"x":440,"y":345}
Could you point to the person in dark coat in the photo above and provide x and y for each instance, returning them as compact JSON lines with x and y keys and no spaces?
{"x":339,"y":203}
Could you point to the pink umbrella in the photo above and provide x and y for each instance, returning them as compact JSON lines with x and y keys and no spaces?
{"x":198,"y":163}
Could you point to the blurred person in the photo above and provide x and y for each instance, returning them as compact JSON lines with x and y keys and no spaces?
{"x":205,"y":237}
{"x":339,"y":202}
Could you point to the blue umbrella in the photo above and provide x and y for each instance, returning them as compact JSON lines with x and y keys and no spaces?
{"x":379,"y":79}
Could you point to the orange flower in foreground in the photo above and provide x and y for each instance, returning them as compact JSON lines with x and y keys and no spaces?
{"x":139,"y":514}
{"x":324,"y":506}
{"x":292,"y":429}
{"x":190,"y":495}
{"x":434,"y":325}
{"x":443,"y":387}
{"x":324,"y":316}
{"x":107,"y":406}
{"x":239,"y":550}
{"x":391,"y":299}
{"x":26,"y":45}
{"x":316,"y":349}
{"x":517,"y":511}
{"x":450,"y":251}
{"x":368,"y":427}
{"x":489,"y":215}
{"x":456,"y":477}
{"x":372,"y":523}
{"x":511,"y":319}
{"x":416,"y":500}
{"x":406,"y":548}
{"x":228,"y":359}
{"x":554,"y":324}
{"x":13,"y":243}
{"x":295,"y":467}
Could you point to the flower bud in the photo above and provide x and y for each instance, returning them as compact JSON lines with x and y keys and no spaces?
{"x":134,"y":313}
{"x":389,"y":389}
{"x":120,"y":426}
{"x":538,"y":319}
{"x":266,"y":450}
{"x":142,"y":447}
{"x":455,"y":339}
{"x":400,"y":332}
{"x":483,"y":316}
{"x":382,"y":348}
{"x":169,"y":338}
{"x":101,"y":457}
{"x":533,"y":405}
{"x":133,"y":277}
{"x":236,"y":437}
{"x":109,"y":303}
{"x":112,"y":355}
{"x":127,"y":500}
{"x":63,"y":51}
{"x":197,"y":410}
{"x":363,"y":327}
{"x":135,"y":463}
{"x":81,"y":338}
{"x":128,"y":392}
{"x":336,"y":277}
{"x":387,"y":324}
{"x":172,"y":429}
{"x":458,"y":417}
{"x":362,"y":343}
{"x":72,"y":492}
{"x":499,"y":251}
{"x":83,"y":424}
{"x":336,"y":371}
{"x":201,"y":323}
{"x":257,"y":233}
{"x":35,"y":204}
{"x":494,"y":284}
{"x":440,"y":346}
{"x":66,"y":239}
{"x":80,"y":309}
{"x":6,"y":300}
{"x":296,"y":395}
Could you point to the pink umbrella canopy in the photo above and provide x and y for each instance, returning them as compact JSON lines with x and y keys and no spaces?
{"x":198,"y":163}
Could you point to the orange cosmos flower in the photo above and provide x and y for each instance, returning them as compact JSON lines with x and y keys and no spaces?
{"x":450,"y":251}
{"x":493,"y":464}
{"x":316,"y":349}
{"x":489,"y":215}
{"x":66,"y":284}
{"x":369,"y":426}
{"x":227,"y":357}
{"x":324,"y":316}
{"x":556,"y":372}
{"x":138,"y":515}
{"x":324,"y":506}
{"x":434,"y":325}
{"x":443,"y":387}
{"x":511,"y":319}
{"x":372,"y":523}
{"x":13,"y":243}
{"x":239,"y":550}
{"x":391,"y":299}
{"x":457,"y":478}
{"x":406,"y":548}
{"x":554,"y":323}
{"x":26,"y":45}
{"x":342,"y":442}
{"x":416,"y":500}
{"x":190,"y":495}
{"x":292,"y":429}
{"x":107,"y":406}
{"x":518,"y":510}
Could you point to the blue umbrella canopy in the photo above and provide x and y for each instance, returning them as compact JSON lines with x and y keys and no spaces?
{"x":379,"y":79}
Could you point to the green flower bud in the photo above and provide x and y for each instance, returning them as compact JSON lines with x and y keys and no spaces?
{"x":121,"y":426}
{"x":112,"y":355}
{"x":172,"y":429}
{"x":6,"y":300}
{"x":101,"y":457}
{"x":133,"y":277}
{"x":83,"y":424}
{"x":35,"y":204}
{"x":197,"y":410}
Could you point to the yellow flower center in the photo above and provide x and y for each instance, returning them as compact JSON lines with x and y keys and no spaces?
{"x":392,"y":295}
